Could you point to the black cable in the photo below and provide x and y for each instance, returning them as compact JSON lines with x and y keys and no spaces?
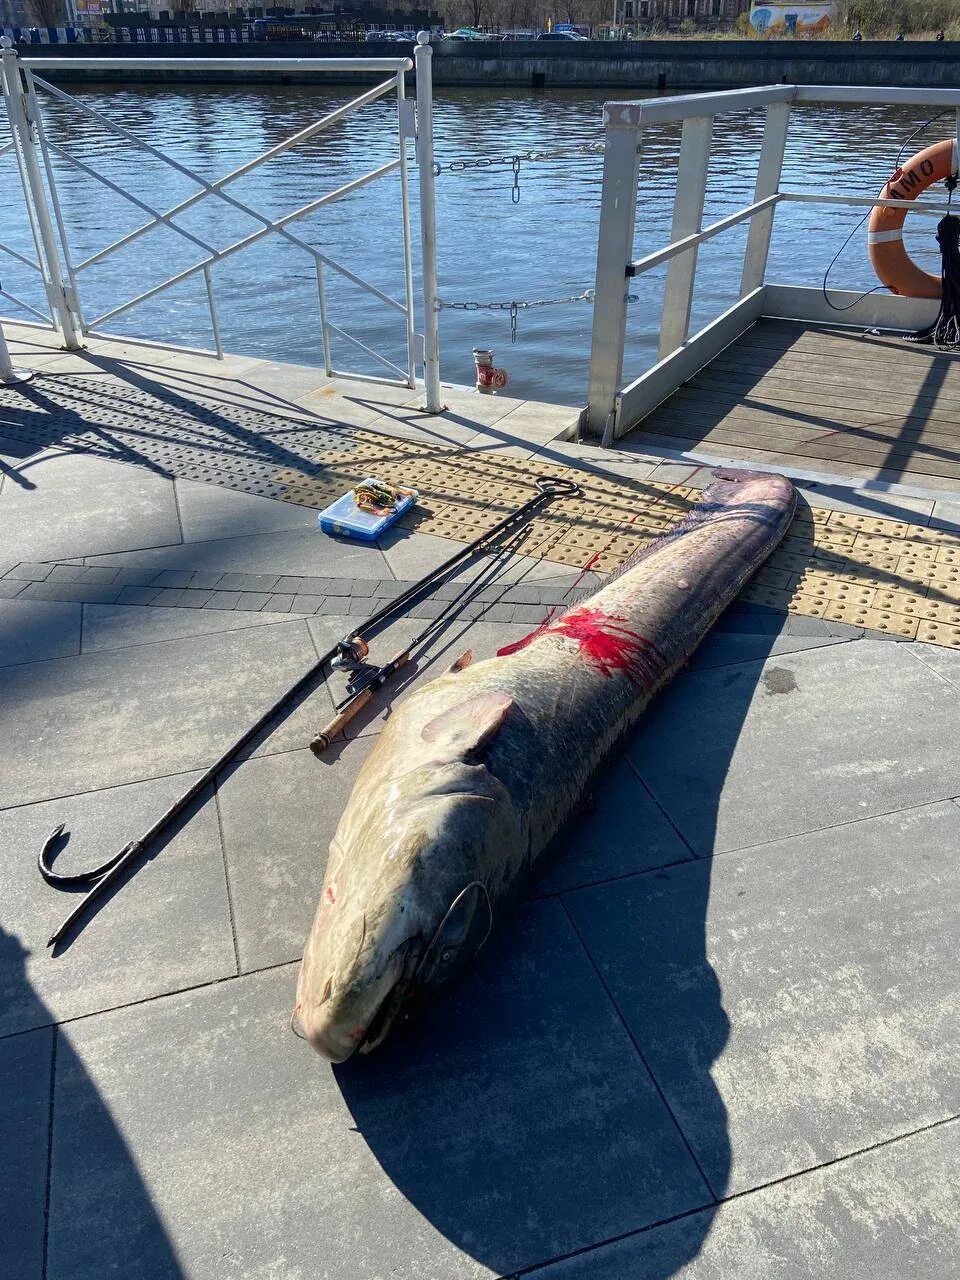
{"x":917,"y":132}
{"x":866,"y":294}
{"x":877,"y":287}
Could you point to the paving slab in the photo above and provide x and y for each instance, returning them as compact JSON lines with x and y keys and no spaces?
{"x":81,"y":505}
{"x":79,"y":724}
{"x":31,"y":630}
{"x":340,"y":403}
{"x":516,"y":1122}
{"x":212,"y":511}
{"x":945,"y":662}
{"x":890,"y":1214}
{"x":278,"y":814}
{"x":288,"y":380}
{"x":13,"y":453}
{"x":446,"y":430}
{"x":795,"y":1003}
{"x":116,"y":626}
{"x":25,"y":1063}
{"x":622,"y":833}
{"x":167,"y":928}
{"x":488,"y":443}
{"x":872,"y":502}
{"x":632,"y":465}
{"x":724,"y":649}
{"x":754,"y":752}
{"x":410,"y":556}
{"x":946,"y":515}
{"x":287,"y":551}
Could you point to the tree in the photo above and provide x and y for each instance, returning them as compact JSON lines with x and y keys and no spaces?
{"x":47,"y":13}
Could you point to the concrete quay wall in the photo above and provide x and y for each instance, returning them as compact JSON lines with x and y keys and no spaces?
{"x":664,"y":65}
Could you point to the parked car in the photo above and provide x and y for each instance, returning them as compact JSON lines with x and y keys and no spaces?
{"x":560,"y":35}
{"x":468,"y":33}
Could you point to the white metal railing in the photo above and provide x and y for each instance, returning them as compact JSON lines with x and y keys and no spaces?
{"x":613,"y":409}
{"x":61,"y":277}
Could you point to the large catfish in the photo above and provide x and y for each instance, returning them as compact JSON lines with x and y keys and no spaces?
{"x":477,"y":771}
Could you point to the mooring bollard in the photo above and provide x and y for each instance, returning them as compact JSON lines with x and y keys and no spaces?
{"x":489,"y":379}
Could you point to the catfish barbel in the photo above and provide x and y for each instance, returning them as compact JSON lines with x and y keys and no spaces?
{"x":476,"y":772}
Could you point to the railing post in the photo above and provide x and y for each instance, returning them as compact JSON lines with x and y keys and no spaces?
{"x":768,"y":183}
{"x":48,"y":251}
{"x":33,"y":113}
{"x":406,"y":128}
{"x":9,"y":376}
{"x":687,"y":220}
{"x":618,"y":208}
{"x":428,"y":222}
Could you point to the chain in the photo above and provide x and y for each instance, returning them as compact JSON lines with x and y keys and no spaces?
{"x":515,"y":307}
{"x":515,"y":161}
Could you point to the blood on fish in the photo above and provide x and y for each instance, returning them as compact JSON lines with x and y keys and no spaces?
{"x":604,"y":642}
{"x":329,"y":895}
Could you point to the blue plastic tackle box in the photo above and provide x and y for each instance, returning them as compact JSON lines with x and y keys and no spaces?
{"x":346,"y":519}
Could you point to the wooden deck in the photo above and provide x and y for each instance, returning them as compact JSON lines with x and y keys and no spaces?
{"x":826,"y":399}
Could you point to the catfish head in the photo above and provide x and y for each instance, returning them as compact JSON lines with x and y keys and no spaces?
{"x":427,"y":843}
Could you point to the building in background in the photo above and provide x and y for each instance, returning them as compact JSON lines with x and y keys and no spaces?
{"x":14,"y":13}
{"x":675,"y":11}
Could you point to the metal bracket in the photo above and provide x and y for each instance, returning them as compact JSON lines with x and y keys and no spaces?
{"x":407,"y":112}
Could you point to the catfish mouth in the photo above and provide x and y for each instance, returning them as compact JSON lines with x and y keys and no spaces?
{"x":398,"y":1003}
{"x":330,"y":1035}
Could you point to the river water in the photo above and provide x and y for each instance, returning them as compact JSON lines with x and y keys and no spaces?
{"x":490,"y":248}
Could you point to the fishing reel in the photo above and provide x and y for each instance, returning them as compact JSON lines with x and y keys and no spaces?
{"x":350,"y":655}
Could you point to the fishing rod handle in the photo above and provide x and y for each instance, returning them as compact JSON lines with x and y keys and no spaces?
{"x":339,"y":722}
{"x":322,"y":741}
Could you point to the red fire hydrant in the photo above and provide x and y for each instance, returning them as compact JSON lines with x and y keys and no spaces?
{"x":489,"y":379}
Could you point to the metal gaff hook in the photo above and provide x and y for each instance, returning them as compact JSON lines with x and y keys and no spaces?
{"x":100,"y":878}
{"x":80,"y":879}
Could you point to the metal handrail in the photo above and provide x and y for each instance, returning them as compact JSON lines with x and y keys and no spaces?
{"x":20,"y":90}
{"x":223,"y":64}
{"x":219,"y":255}
{"x":669,"y":251}
{"x":207,"y":187}
{"x":609,"y":405}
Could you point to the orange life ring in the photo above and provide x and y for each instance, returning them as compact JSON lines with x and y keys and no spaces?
{"x":893,"y":265}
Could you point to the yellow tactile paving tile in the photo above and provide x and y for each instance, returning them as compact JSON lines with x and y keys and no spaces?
{"x":887,"y":575}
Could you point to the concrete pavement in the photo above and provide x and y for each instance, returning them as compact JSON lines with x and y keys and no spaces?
{"x":719,"y":1038}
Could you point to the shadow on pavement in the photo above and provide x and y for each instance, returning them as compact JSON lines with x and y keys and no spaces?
{"x":30,"y":1110}
{"x":529,"y":1116}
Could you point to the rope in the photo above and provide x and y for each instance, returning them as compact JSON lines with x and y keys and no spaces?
{"x":945,"y":330}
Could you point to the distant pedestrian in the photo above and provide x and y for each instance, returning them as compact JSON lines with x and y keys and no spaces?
{"x":857,"y":35}
{"x":899,"y":37}
{"x":940,"y":35}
